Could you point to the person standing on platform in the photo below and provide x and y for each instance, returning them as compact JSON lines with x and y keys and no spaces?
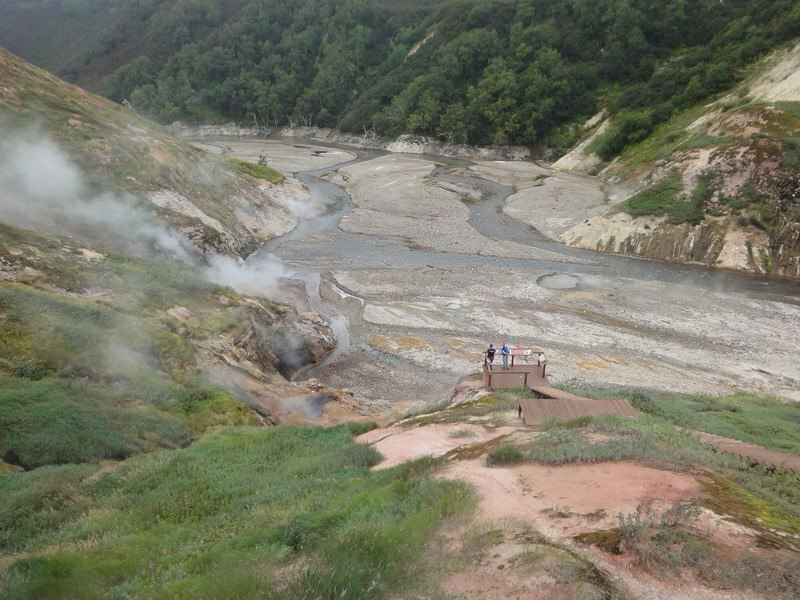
{"x":505,"y":353}
{"x":490,"y":355}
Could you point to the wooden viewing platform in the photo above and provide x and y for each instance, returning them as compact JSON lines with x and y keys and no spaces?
{"x":549,"y":403}
{"x":552,"y":403}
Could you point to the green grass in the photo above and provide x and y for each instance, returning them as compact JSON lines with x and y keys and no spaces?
{"x":243,"y":513}
{"x":504,"y":455}
{"x":661,"y":143}
{"x":647,"y":440}
{"x":86,"y":380}
{"x":257,"y":170}
{"x":47,"y":333}
{"x":665,"y":198}
{"x":56,"y":421}
{"x":768,"y":422}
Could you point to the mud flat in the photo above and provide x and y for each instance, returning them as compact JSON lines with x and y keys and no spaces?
{"x":285,"y":156}
{"x":549,"y":200}
{"x":396,"y":196}
{"x":423,"y":286}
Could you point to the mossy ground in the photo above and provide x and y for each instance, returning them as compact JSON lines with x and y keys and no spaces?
{"x":486,"y":408}
{"x":257,"y":170}
{"x":727,"y":497}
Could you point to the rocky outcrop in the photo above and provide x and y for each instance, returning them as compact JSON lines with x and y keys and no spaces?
{"x":742,"y":187}
{"x":653,"y":237}
{"x":229,"y":130}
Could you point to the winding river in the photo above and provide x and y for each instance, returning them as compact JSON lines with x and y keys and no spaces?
{"x":318,"y":245}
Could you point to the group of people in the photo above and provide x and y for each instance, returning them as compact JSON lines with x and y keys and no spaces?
{"x":505,"y":353}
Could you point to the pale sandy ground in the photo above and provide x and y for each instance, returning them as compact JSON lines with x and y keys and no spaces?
{"x":558,"y":502}
{"x":605,"y":332}
{"x":549,"y":200}
{"x":399,"y":445}
{"x":779,"y":78}
{"x":415,"y":330}
{"x":393,"y":195}
{"x":281,"y":156}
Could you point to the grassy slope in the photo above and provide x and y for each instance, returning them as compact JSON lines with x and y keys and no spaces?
{"x":106,"y":372}
{"x":743,"y":156}
{"x":116,"y":147}
{"x":244,"y":513}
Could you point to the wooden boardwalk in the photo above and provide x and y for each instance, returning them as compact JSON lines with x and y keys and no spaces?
{"x":751,"y":452}
{"x":564,"y":407}
{"x":550,"y":403}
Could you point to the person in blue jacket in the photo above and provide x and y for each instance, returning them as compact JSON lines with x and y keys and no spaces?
{"x":505,"y":353}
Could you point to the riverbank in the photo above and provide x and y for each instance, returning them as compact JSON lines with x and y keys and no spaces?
{"x":405,"y":144}
{"x":423,"y":279}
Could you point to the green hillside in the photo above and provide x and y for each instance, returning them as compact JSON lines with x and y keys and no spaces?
{"x":104,"y":336}
{"x":119,"y":149}
{"x":480,"y":71}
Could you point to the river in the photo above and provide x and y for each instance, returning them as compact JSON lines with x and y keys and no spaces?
{"x":411,"y":315}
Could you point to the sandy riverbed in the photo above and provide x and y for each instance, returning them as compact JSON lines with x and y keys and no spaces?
{"x":423,"y":290}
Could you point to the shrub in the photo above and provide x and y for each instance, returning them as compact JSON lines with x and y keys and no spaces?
{"x":629,"y":126}
{"x":664,"y":198}
{"x":257,"y":170}
{"x":504,"y":455}
{"x":357,"y":428}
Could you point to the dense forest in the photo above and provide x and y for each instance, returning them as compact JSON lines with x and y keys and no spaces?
{"x":475,"y":71}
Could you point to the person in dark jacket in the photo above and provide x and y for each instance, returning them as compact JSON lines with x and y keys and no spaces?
{"x":490,"y":352}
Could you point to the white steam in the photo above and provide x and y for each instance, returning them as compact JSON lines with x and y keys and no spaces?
{"x":260,"y":277}
{"x":301,"y":208}
{"x":43,"y":190}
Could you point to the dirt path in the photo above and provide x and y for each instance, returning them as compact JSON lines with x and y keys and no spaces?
{"x":520,"y":503}
{"x":751,"y":452}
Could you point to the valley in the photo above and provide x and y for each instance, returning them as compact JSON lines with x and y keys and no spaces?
{"x":419,"y":260}
{"x":244,"y":300}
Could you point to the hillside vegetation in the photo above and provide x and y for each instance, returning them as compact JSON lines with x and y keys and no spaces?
{"x":244,"y":513}
{"x":477,"y":71}
{"x":110,"y":324}
{"x":716,"y":183}
{"x":206,"y":198}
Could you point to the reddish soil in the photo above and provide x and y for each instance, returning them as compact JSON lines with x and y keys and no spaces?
{"x":565,"y":500}
{"x":519,"y":503}
{"x":399,"y":444}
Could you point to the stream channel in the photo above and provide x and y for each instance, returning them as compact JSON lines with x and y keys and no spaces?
{"x":317,"y":245}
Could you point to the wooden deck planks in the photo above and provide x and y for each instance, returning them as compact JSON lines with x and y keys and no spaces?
{"x":551,"y":402}
{"x":565,"y":407}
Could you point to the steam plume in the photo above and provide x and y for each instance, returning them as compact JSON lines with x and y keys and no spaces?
{"x":43,"y":190}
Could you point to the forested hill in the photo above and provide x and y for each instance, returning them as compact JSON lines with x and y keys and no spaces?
{"x":477,"y":71}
